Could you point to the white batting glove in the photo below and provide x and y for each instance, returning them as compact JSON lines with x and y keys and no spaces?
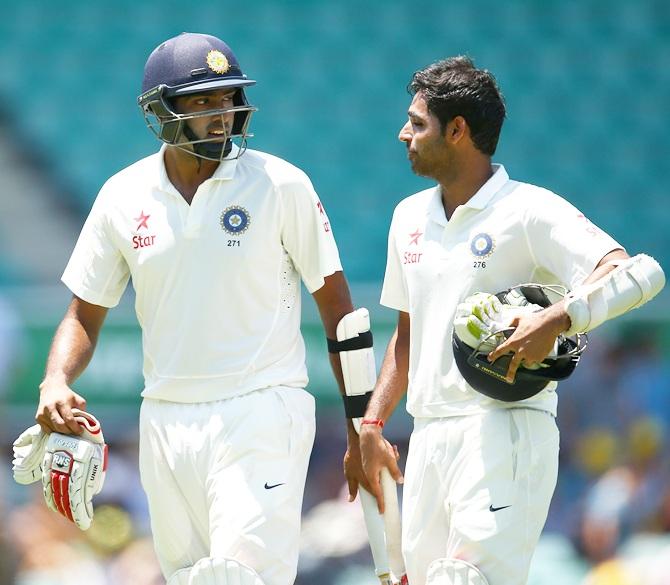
{"x":28,"y":455}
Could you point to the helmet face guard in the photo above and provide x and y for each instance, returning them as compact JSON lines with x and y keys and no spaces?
{"x":193,"y":63}
{"x":172,"y":128}
{"x":489,"y":378}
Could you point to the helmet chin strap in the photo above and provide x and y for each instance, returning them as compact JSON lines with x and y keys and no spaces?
{"x":209,"y":150}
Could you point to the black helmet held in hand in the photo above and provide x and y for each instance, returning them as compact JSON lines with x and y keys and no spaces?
{"x":489,"y":378}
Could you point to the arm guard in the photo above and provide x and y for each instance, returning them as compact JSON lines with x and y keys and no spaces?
{"x":354,"y":344}
{"x":632,"y":283}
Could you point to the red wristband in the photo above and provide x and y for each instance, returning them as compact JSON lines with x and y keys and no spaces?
{"x":373,"y":421}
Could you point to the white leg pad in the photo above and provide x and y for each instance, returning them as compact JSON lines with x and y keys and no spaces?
{"x":216,"y":571}
{"x":454,"y":572}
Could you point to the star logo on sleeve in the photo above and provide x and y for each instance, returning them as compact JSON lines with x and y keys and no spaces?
{"x":142,"y":221}
{"x":322,"y":211}
{"x":414,"y":238}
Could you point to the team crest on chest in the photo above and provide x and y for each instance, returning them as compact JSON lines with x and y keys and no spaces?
{"x":482,"y":245}
{"x":235,"y":220}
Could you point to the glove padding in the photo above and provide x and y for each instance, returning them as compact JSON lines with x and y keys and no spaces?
{"x":481,"y":320}
{"x":72,"y":467}
{"x":28,"y":455}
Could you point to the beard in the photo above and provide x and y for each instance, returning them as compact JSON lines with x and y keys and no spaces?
{"x":434,"y":161}
{"x":420,"y":167}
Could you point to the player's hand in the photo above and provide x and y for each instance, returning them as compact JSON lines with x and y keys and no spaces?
{"x":54,"y":412}
{"x":353,"y":467}
{"x":377,"y":453}
{"x":533,"y":339}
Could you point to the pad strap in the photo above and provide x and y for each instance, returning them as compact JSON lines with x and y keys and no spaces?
{"x":355,"y":406}
{"x":361,"y":341}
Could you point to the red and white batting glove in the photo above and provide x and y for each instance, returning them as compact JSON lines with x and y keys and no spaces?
{"x":73,"y":470}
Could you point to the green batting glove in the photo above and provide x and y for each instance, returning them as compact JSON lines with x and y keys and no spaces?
{"x":477,"y":318}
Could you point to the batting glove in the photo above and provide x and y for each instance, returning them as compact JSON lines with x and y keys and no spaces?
{"x":73,"y":470}
{"x":28,"y":455}
{"x":478,"y":318}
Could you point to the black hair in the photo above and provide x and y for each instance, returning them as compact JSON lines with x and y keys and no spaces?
{"x":455,"y":87}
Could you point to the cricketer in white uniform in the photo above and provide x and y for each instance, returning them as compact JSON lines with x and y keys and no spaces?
{"x":480,"y":472}
{"x":216,"y":239}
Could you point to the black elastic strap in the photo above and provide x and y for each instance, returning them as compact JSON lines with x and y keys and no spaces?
{"x":361,"y":341}
{"x":354,"y":406}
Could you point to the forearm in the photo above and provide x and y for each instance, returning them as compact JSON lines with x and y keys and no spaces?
{"x":336,"y":366}
{"x":334,"y":301}
{"x":392,"y":381}
{"x":556,"y":316}
{"x":74,"y":342}
{"x":617,"y":285}
{"x":376,"y":452}
{"x":71,"y":351}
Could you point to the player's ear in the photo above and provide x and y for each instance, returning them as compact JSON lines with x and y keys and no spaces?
{"x":456,"y":129}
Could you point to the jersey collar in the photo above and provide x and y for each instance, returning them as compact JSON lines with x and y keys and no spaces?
{"x":478,"y":201}
{"x":435,"y":207}
{"x":226,"y":169}
{"x":224,"y":172}
{"x":486,"y":192}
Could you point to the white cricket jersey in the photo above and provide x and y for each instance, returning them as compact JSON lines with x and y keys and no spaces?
{"x":217,"y":282}
{"x":508,"y":233}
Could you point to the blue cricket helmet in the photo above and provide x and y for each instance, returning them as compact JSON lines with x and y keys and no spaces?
{"x":193,"y":63}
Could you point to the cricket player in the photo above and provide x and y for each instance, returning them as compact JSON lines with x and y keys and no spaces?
{"x":216,"y":239}
{"x":480,"y":472}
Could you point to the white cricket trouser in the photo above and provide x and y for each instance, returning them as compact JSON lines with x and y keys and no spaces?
{"x":478,"y":488}
{"x":226,"y":479}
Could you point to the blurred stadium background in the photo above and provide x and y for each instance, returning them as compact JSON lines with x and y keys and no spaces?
{"x":587,"y":84}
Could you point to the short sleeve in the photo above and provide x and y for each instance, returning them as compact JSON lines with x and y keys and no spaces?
{"x":575,"y":245}
{"x":97,"y":271}
{"x":394,"y":292}
{"x":306,"y":233}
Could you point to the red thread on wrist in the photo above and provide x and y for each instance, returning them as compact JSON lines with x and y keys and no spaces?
{"x":373,"y":421}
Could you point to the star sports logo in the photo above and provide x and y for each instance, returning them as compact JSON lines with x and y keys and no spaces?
{"x":413,"y":257}
{"x":322,"y":211}
{"x":142,"y":219}
{"x":414,"y":237}
{"x":588,"y":226}
{"x":142,"y":224}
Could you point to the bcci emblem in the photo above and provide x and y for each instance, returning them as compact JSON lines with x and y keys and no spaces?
{"x":217,"y":62}
{"x":482,"y":245}
{"x":235,"y":220}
